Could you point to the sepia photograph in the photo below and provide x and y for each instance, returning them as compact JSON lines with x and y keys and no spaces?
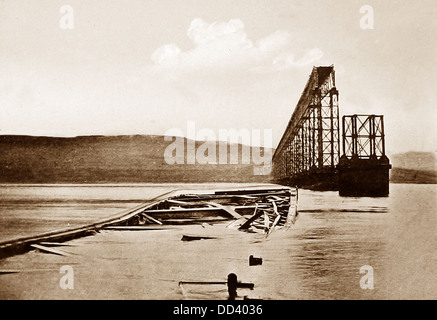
{"x":198,"y":150}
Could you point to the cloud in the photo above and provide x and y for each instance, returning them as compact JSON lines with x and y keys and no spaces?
{"x":289,"y":60}
{"x":167,"y":55}
{"x":202,"y":33}
{"x":225,"y":45}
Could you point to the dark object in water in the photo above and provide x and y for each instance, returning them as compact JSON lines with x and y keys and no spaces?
{"x":233,"y":284}
{"x":255,"y":261}
{"x":192,"y":238}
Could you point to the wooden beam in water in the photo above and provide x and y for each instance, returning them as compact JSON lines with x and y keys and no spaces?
{"x":255,"y":216}
{"x":253,"y":192}
{"x":272,"y":228}
{"x":202,"y":282}
{"x":181,"y":210}
{"x":178,"y":202}
{"x":9,"y":271}
{"x":12,"y":271}
{"x":151,"y":218}
{"x":57,"y":244}
{"x":136,"y":228}
{"x":193,"y":221}
{"x":228,"y":209}
{"x":192,"y":238}
{"x":51,"y":250}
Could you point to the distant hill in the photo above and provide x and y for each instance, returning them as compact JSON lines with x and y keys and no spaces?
{"x":140,"y":159}
{"x":104,"y":159}
{"x":415,"y":160}
{"x":414,"y":167}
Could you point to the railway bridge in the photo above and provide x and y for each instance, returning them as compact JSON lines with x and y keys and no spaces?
{"x":318,"y":152}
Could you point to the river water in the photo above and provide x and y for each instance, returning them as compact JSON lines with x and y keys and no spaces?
{"x":391,"y":240}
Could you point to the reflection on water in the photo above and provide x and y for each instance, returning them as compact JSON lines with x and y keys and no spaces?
{"x":317,"y":258}
{"x":334,"y":237}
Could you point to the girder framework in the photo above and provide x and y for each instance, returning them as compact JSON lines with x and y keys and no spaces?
{"x":364,"y":168}
{"x":363,"y":136}
{"x":311,"y":142}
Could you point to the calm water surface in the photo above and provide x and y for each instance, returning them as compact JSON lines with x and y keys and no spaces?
{"x":318,"y":258}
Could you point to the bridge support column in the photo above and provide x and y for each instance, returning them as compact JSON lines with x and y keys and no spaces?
{"x":363,"y":177}
{"x":363,"y":169}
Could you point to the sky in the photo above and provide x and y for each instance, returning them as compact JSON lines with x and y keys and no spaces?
{"x":150,"y":66}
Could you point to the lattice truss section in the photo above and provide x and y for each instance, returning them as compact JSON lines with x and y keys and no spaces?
{"x":363,"y":136}
{"x":311,"y":140}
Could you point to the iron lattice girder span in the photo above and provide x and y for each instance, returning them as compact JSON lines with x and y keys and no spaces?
{"x":311,"y":139}
{"x":363,"y":136}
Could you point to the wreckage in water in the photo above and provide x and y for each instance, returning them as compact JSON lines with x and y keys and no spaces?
{"x":257,"y":210}
{"x":261,"y":210}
